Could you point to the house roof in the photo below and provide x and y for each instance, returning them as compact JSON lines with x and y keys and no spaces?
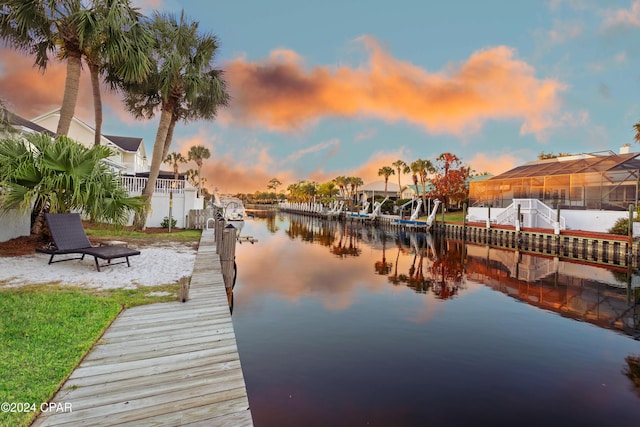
{"x":379,"y":186}
{"x":584,"y":163}
{"x":16,"y":120}
{"x":127,"y":143}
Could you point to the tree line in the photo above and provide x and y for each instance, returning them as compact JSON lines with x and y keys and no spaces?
{"x":445,"y":179}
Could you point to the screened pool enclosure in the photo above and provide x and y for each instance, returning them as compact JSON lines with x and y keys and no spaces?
{"x":605,"y":181}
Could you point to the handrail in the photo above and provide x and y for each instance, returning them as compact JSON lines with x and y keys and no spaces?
{"x":136,"y":184}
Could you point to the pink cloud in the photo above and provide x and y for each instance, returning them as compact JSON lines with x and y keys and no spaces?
{"x":280,"y":94}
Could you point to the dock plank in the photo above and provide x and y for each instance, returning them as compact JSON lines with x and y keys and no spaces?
{"x":163,"y":364}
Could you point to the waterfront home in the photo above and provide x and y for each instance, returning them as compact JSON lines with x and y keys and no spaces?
{"x":591,"y":191}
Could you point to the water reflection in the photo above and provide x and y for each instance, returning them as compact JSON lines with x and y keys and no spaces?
{"x":431,"y":264}
{"x":339,"y":324}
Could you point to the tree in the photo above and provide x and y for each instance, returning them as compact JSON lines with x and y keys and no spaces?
{"x":450,"y":180}
{"x":5,"y":119}
{"x":341,"y":182}
{"x":386,"y":171}
{"x":636,"y":127}
{"x":69,"y":29}
{"x":197,"y":154}
{"x":62,"y":176}
{"x":182,"y":85}
{"x":274,"y":183}
{"x":174,"y":159}
{"x":543,"y":156}
{"x":401,"y":167}
{"x":354,"y":182}
{"x":117,"y":50}
{"x":421,"y":169}
{"x":193,"y":177}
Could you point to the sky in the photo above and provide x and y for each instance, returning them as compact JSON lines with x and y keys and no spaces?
{"x":345,"y":87}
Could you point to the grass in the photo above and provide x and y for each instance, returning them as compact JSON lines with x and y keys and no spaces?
{"x":45,"y":330}
{"x":179,"y":235}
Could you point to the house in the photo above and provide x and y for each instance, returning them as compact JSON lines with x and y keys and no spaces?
{"x":130,"y":156}
{"x":377,"y":188}
{"x":591,"y":190}
{"x":130,"y":160}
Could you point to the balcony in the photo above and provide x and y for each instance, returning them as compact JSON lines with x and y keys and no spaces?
{"x":135,"y":185}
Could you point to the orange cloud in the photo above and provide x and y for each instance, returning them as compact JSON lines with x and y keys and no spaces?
{"x":493,"y":164}
{"x":280,"y":94}
{"x":30,"y":92}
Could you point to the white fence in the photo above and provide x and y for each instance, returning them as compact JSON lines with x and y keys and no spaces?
{"x":163,"y":186}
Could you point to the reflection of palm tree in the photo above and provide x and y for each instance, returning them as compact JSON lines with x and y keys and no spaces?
{"x":632,"y":371}
{"x":383,"y":267}
{"x":394,"y":278}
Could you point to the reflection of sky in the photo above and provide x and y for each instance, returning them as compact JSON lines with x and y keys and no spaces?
{"x":292,"y":269}
{"x":324,"y":340}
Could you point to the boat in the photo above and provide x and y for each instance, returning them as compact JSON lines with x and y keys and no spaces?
{"x":232,"y":209}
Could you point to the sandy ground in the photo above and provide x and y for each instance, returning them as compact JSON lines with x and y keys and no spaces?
{"x":156,"y":265}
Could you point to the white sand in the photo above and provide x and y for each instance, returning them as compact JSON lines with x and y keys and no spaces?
{"x":156,"y":265}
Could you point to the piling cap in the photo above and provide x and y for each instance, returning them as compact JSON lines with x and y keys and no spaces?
{"x":229,"y":226}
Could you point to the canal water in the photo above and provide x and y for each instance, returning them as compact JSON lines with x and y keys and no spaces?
{"x":353,"y":326}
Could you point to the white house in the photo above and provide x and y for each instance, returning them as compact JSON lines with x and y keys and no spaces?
{"x":130,"y":156}
{"x":129,"y":160}
{"x":377,"y":188}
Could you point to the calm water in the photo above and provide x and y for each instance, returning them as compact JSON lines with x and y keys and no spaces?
{"x":349,"y":327}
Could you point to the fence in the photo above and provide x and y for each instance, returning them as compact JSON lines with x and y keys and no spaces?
{"x":198,"y":218}
{"x":165,"y":186}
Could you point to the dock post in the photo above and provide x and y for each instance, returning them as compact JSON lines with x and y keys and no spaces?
{"x":220,"y":223}
{"x":228,"y":256}
{"x":464,"y":222}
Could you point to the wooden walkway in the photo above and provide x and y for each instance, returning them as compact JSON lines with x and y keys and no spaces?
{"x":163,"y":364}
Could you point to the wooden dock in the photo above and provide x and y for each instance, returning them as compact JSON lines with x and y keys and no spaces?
{"x":163,"y":364}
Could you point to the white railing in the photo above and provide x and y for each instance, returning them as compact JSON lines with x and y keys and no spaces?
{"x":136,"y":185}
{"x":533,"y":210}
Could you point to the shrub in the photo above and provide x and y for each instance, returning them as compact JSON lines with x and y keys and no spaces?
{"x":620,"y":227}
{"x":165,"y":222}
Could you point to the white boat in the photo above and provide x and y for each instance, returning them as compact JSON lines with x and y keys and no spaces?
{"x":232,"y":209}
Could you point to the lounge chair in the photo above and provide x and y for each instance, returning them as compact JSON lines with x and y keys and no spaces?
{"x":69,"y":237}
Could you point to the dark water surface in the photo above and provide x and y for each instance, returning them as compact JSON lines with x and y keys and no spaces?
{"x":340,"y":326}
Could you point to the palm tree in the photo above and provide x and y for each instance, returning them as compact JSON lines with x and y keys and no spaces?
{"x":354,"y":182}
{"x":70,"y":29}
{"x":341,"y":182}
{"x":192,"y":177}
{"x":421,"y":169}
{"x":117,"y":51}
{"x":636,"y":127}
{"x":401,"y":167}
{"x":183,"y":85}
{"x":197,"y":154}
{"x":386,"y":171}
{"x":174,"y":159}
{"x":62,"y":176}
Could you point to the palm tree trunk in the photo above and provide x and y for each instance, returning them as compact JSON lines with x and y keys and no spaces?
{"x":156,"y":160}
{"x":97,"y":102}
{"x":169,"y":138}
{"x":70,"y":93}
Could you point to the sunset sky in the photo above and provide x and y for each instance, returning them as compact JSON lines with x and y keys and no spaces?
{"x":321,"y":89}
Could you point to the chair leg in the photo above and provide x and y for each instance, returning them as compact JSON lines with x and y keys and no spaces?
{"x":128,"y":265}
{"x":51,"y":259}
{"x":95,"y":258}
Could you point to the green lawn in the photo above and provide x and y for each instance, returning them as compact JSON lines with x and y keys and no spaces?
{"x":45,"y":330}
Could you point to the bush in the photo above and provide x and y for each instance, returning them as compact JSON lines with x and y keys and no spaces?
{"x":165,"y":222}
{"x":621,"y":227}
